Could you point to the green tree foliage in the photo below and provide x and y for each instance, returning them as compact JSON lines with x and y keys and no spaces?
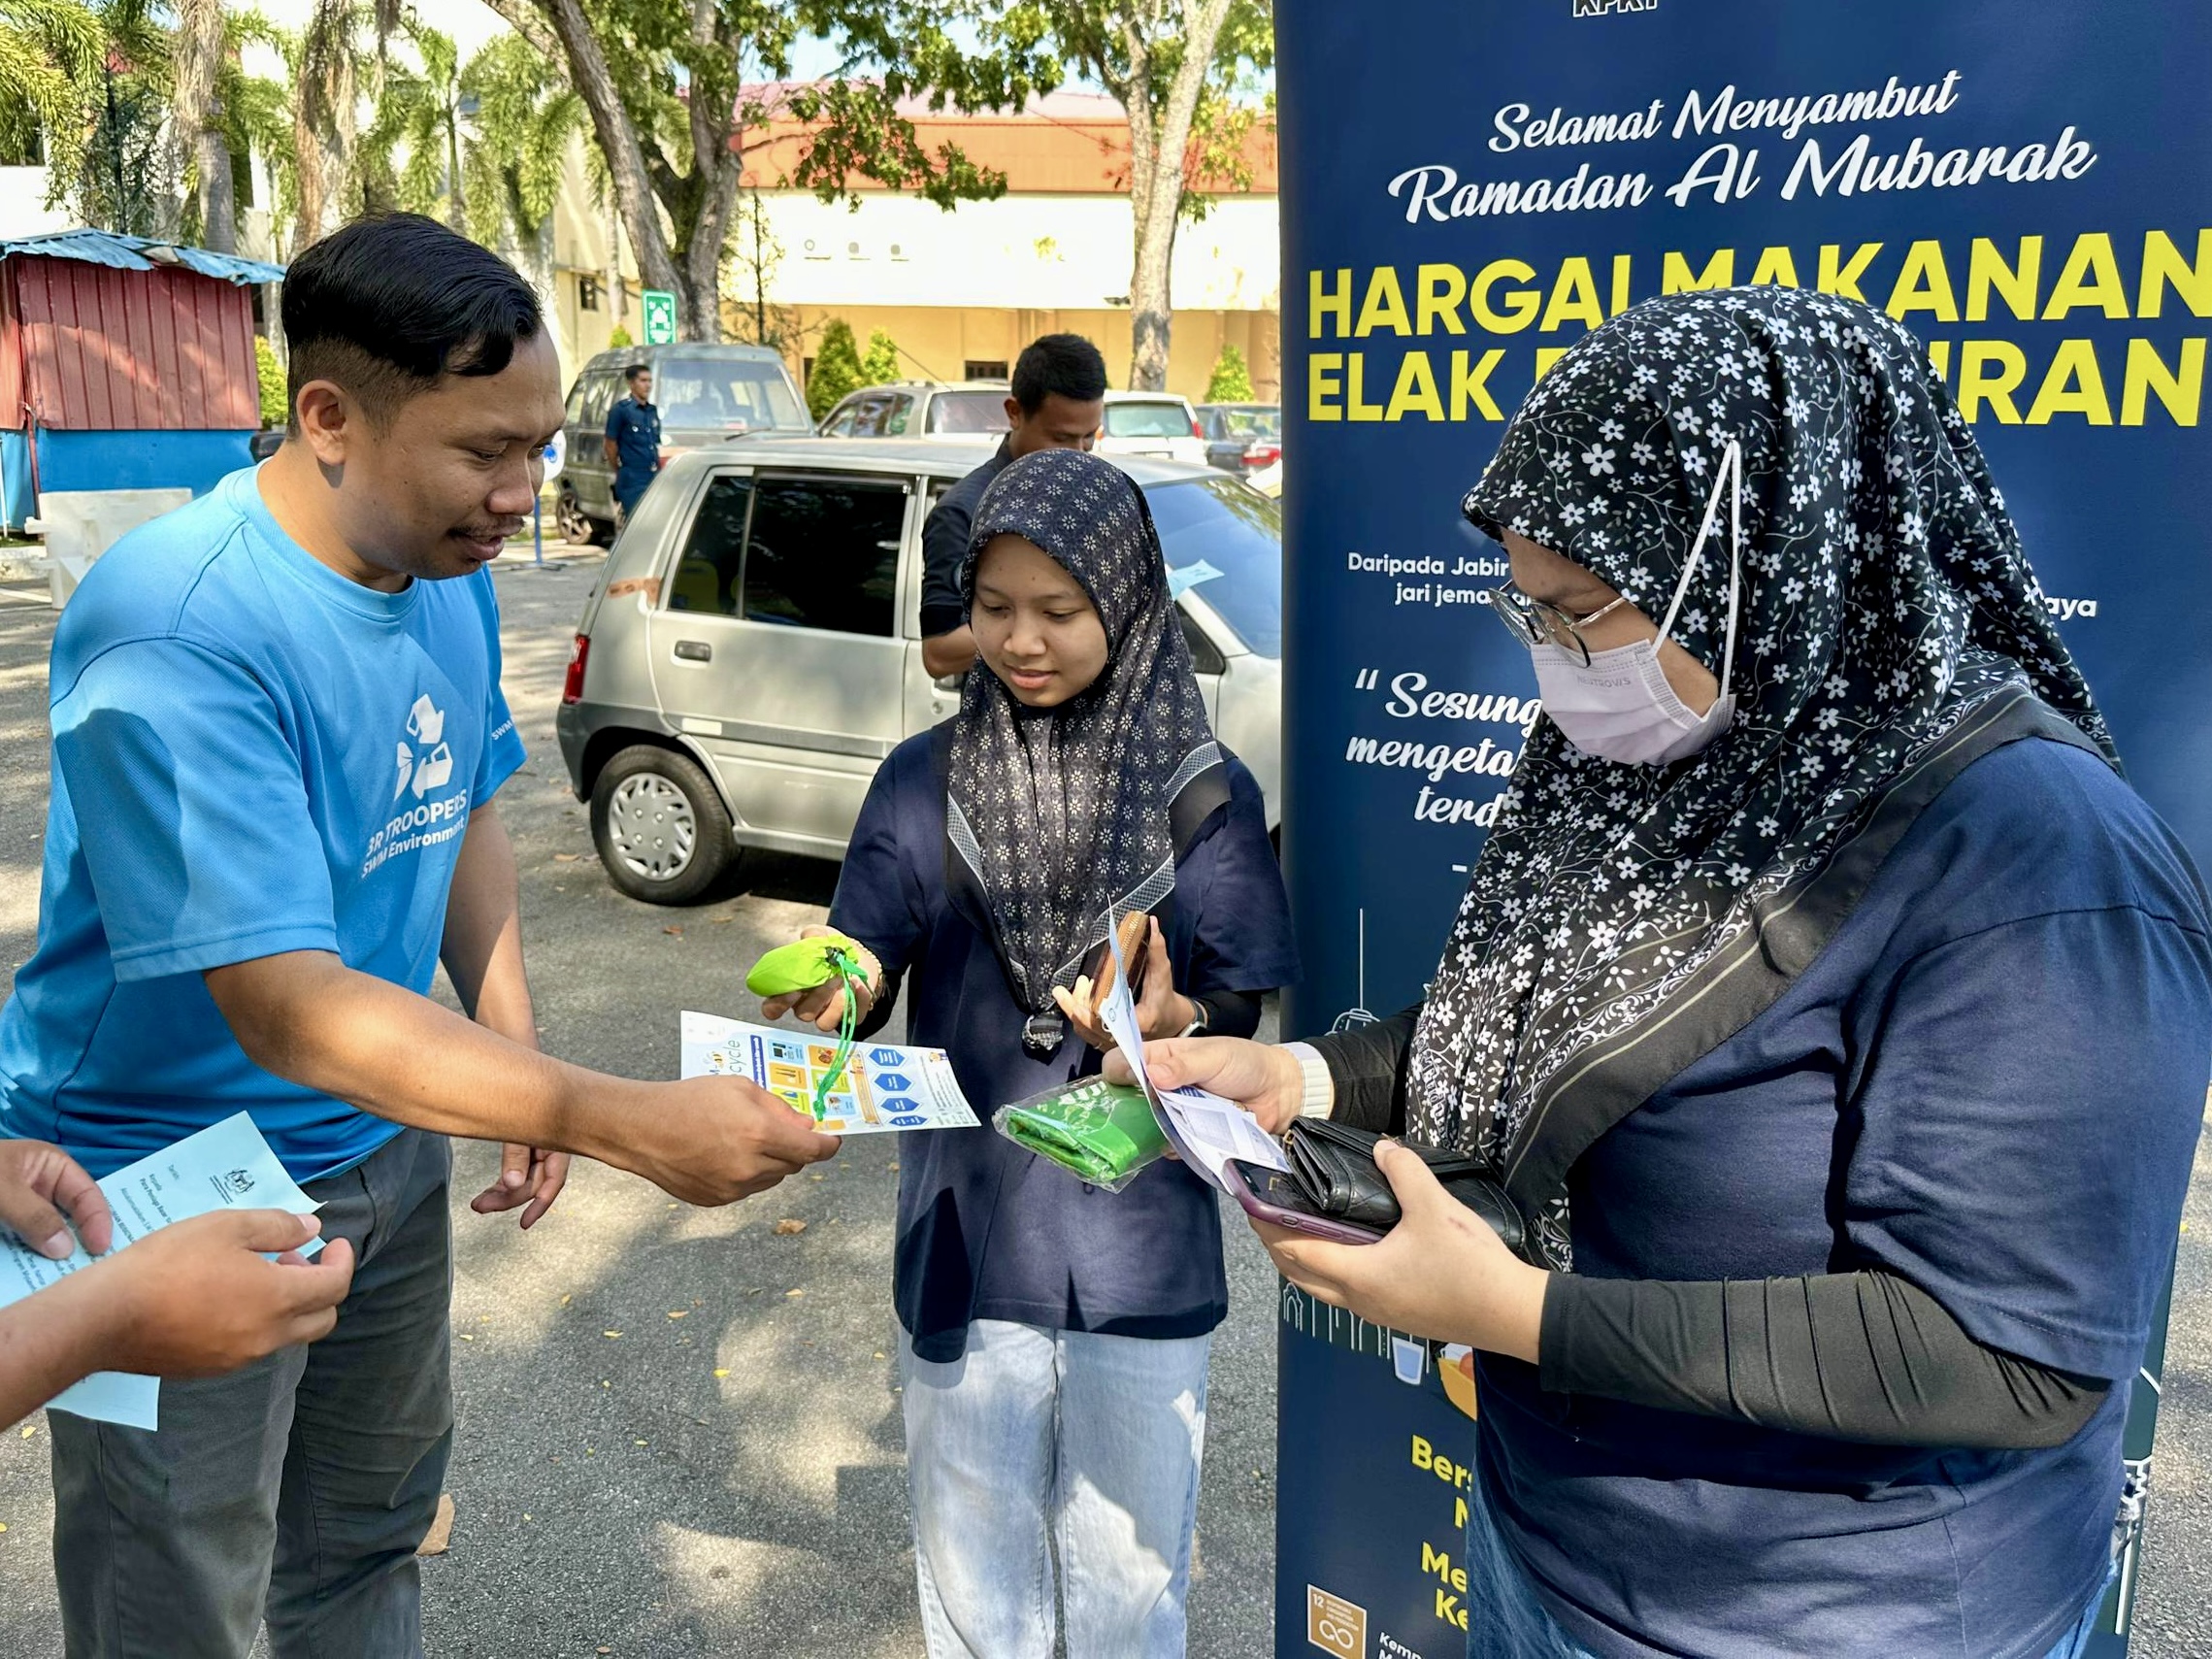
{"x":1184,"y":71}
{"x":276,"y":406}
{"x":1231,"y":380}
{"x":681,"y":95}
{"x":881,"y":363}
{"x":836,"y":367}
{"x":618,"y":337}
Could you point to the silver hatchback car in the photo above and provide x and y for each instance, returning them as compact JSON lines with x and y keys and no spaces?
{"x":753,"y":649}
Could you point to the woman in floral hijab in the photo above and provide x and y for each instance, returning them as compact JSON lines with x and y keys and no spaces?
{"x":1835,"y":1016}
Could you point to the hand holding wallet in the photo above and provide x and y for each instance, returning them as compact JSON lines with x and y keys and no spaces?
{"x":1332,"y":1166}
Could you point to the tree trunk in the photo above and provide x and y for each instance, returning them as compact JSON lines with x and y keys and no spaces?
{"x":1159,"y":142}
{"x":195,"y":129}
{"x":457,"y":198}
{"x":616,"y":294}
{"x":611,"y":125}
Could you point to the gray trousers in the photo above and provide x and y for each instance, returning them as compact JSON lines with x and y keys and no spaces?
{"x":296,"y":1489}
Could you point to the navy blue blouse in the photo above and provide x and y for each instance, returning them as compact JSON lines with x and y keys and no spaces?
{"x":1990,"y":1083}
{"x":987,"y":1229}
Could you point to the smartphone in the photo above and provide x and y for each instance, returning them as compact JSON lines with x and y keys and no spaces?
{"x":1269,"y":1195}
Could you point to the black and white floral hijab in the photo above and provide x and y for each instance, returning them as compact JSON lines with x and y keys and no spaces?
{"x":1623,"y":920}
{"x":1061,"y":818}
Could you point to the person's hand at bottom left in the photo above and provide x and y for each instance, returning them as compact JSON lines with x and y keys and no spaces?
{"x":1439,"y":1272}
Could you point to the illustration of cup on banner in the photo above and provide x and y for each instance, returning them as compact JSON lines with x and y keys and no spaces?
{"x":1409,"y":1359}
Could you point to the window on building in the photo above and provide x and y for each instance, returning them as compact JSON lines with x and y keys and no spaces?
{"x":587,"y":292}
{"x":984,"y":369}
{"x":824,"y":554}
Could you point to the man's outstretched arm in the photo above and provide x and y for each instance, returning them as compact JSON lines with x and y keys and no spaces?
{"x":305,"y":1015}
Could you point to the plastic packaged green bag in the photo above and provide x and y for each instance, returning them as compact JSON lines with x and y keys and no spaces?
{"x":1104,"y":1132}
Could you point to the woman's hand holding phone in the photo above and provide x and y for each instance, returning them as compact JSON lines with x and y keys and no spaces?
{"x":824,"y":1005}
{"x":1162,"y":1011}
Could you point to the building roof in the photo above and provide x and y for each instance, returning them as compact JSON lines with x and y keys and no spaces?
{"x":120,"y":253}
{"x":1057,"y":143}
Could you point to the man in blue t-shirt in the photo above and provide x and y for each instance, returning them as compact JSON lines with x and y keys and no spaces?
{"x":277,"y":731}
{"x":634,"y":438}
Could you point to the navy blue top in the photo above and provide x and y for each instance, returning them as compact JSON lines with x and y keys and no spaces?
{"x":945,"y":543}
{"x":636,"y":428}
{"x":1990,"y":1083}
{"x":987,"y":1229}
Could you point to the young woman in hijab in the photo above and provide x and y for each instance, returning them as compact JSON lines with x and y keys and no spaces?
{"x":1054,"y":1359}
{"x":1837,"y":1016}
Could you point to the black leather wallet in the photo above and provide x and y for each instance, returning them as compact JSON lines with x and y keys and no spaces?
{"x":1333,"y":1166}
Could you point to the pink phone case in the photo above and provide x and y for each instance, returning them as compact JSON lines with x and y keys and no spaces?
{"x":1241,"y":1178}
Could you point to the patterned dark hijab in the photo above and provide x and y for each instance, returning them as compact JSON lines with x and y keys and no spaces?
{"x":1056,"y":815}
{"x":1623,"y":920}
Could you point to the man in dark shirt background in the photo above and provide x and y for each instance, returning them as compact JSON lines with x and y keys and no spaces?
{"x":1059,"y":398}
{"x":634,"y":438}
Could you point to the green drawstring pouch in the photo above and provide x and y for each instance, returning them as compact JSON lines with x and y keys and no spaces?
{"x":1104,"y":1132}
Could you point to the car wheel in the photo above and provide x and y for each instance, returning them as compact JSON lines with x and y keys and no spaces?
{"x":578,"y":527}
{"x":659,"y":825}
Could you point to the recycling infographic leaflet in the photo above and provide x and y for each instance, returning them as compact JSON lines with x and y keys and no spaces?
{"x":882,"y":1089}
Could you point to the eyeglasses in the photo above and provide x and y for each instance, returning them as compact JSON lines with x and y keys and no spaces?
{"x":1534,"y":623}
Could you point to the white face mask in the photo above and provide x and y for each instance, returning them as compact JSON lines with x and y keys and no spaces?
{"x":1619,"y":706}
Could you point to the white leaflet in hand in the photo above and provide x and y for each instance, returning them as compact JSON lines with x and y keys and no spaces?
{"x":1204,"y":1129}
{"x":227,"y":1165}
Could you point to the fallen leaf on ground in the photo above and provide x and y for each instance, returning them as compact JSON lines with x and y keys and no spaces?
{"x":722,"y":1371}
{"x":566,"y":857}
{"x":611,"y":1334}
{"x":440,"y":1538}
{"x":794,"y":1293}
{"x":678,"y":932}
{"x":29,"y":1429}
{"x":679,"y":1312}
{"x":788,"y":1226}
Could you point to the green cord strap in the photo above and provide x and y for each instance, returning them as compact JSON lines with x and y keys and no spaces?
{"x":848,"y":972}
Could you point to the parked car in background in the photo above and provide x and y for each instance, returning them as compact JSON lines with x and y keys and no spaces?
{"x":1242,"y":437}
{"x":920,"y":408}
{"x":1151,"y":423}
{"x":752,"y":648}
{"x":705,"y":393}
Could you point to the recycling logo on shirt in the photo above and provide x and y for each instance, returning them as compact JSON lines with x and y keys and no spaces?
{"x":433,"y":765}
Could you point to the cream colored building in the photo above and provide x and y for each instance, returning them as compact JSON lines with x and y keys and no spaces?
{"x":962,"y":291}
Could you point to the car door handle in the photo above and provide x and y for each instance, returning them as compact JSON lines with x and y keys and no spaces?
{"x":694,"y":651}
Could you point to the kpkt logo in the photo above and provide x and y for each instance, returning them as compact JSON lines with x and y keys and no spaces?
{"x":429,"y":770}
{"x":1598,"y":8}
{"x":237,"y":1183}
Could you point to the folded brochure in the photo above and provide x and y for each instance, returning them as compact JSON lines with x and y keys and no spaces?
{"x":882,"y":1089}
{"x":225,"y":1166}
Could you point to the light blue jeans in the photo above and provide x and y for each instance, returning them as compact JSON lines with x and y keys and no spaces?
{"x":1089,"y":1441}
{"x":1506,"y":1621}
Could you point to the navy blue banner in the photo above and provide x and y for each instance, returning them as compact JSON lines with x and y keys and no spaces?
{"x":1468,"y":188}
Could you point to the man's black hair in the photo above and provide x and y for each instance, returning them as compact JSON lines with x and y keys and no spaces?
{"x":1064,"y":363}
{"x":632,"y":373}
{"x":387,"y":305}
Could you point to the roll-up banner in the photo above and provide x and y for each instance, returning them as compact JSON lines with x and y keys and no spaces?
{"x":1468,"y":186}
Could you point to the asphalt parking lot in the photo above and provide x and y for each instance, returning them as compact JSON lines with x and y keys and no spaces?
{"x":679,"y":1431}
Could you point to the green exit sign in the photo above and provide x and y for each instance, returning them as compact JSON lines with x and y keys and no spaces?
{"x":660,"y":316}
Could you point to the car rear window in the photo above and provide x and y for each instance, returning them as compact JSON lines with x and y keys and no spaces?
{"x":967,"y":411}
{"x":1225,"y":540}
{"x":733,"y":394}
{"x":1147,"y":420}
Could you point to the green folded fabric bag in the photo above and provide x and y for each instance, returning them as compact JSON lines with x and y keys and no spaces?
{"x":800,"y":966}
{"x":1104,"y":1132}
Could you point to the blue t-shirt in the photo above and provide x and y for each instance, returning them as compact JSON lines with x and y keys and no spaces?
{"x":987,"y":1229}
{"x":636,"y":428}
{"x":252,"y":754}
{"x":1990,"y":1083}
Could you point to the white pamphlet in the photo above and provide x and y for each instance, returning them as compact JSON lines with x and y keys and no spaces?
{"x":883,"y":1088}
{"x":226,"y":1166}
